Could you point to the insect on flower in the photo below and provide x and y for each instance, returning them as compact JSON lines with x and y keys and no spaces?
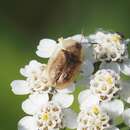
{"x":66,"y":60}
{"x":65,"y":63}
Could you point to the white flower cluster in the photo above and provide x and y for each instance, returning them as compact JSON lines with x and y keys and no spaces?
{"x":93,"y":119}
{"x":105,"y":84}
{"x":108,"y":46}
{"x":95,"y":62}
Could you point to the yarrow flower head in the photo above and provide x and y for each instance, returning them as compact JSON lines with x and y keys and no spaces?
{"x":47,"y":115}
{"x":111,"y":49}
{"x":109,"y":46}
{"x":98,"y":116}
{"x":50,"y":117}
{"x":94,"y":119}
{"x":35,"y":79}
{"x":105,"y":84}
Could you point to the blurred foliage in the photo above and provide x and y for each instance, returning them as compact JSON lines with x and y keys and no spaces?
{"x":24,"y":22}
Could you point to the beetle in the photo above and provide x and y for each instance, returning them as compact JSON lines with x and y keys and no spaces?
{"x":65,"y":63}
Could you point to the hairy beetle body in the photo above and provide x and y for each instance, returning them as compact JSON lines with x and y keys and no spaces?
{"x":65,"y":64}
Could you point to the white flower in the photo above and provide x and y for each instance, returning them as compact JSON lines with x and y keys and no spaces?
{"x":94,"y":119}
{"x":108,"y":46}
{"x":48,"y":48}
{"x":36,"y":81}
{"x":125,"y":91}
{"x":98,"y":116}
{"x":111,"y":49}
{"x":105,"y":84}
{"x":126,"y":116}
{"x":48,"y":115}
{"x":86,"y":99}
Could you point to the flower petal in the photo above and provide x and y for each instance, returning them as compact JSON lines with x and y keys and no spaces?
{"x":46,"y":48}
{"x":70,"y":119}
{"x":83,"y":83}
{"x":113,"y":108}
{"x":126,"y":116}
{"x":88,"y":53}
{"x":27,"y":123}
{"x":125,"y":91}
{"x":125,"y":67}
{"x":80,"y":38}
{"x":20,"y":87}
{"x":112,"y":65}
{"x":112,"y":128}
{"x":65,"y":100}
{"x":87,"y":68}
{"x":33,"y":67}
{"x":87,"y":99}
{"x":97,"y":37}
{"x":69,"y":89}
{"x":84,"y":95}
{"x":34,"y":103}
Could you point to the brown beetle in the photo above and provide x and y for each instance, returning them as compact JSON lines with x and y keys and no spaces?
{"x":65,"y":64}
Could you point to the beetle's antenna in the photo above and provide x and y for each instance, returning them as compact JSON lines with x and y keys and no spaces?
{"x":82,"y":31}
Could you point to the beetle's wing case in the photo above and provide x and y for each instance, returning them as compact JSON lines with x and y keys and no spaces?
{"x":64,"y":64}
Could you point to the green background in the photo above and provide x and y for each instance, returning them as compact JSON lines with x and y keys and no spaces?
{"x":24,"y":22}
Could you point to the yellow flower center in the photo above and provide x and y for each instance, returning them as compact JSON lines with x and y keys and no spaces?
{"x":95,"y":110}
{"x":45,"y":117}
{"x":116,"y":38}
{"x":109,"y":79}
